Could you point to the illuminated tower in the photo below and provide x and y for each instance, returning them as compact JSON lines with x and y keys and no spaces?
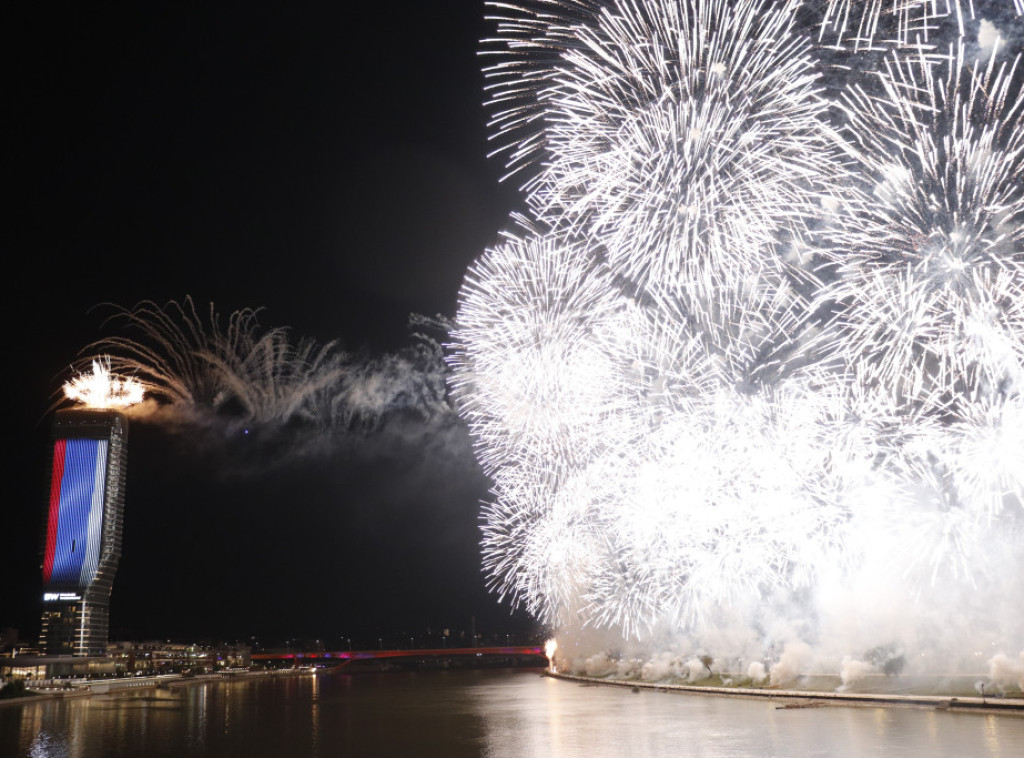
{"x":83,"y":530}
{"x":82,"y":536}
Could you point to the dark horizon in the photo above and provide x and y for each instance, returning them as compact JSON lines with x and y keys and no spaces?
{"x":327,"y":166}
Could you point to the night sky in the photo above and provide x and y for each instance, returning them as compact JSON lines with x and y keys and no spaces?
{"x":327,"y":164}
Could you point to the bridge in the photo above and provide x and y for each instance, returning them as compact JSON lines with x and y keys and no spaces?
{"x":344,"y":657}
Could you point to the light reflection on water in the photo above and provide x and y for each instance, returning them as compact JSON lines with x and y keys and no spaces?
{"x":477,"y":713}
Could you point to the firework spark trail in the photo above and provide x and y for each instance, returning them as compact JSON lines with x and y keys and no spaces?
{"x":533,"y":39}
{"x":989,"y":448}
{"x":201,"y":368}
{"x":765,"y":357}
{"x":528,"y":44}
{"x":165,"y":362}
{"x":872,"y":25}
{"x":682,"y":138}
{"x":932,"y":260}
{"x":878,"y":24}
{"x":543,"y":380}
{"x":726,"y":315}
{"x":706,"y":515}
{"x":238,"y":377}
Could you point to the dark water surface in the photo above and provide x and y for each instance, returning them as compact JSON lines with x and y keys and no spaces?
{"x":477,"y":713}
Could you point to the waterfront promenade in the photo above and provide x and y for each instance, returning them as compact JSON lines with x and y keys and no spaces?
{"x":60,"y":689}
{"x":808,"y":698}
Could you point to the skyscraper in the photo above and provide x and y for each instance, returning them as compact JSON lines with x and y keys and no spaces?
{"x":82,"y":536}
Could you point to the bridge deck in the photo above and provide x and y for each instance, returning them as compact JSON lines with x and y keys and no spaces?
{"x":347,"y":656}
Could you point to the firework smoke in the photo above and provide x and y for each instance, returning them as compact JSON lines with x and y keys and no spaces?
{"x":748,"y":382}
{"x":233,"y":378}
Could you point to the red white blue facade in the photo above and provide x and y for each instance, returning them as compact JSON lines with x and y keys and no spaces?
{"x":82,"y":535}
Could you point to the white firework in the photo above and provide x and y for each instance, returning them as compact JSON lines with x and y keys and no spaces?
{"x":864,"y":25}
{"x":101,"y":388}
{"x":932,"y":260}
{"x":530,"y":39}
{"x":770,"y":347}
{"x":530,"y":373}
{"x":240,"y":377}
{"x":201,"y":368}
{"x":881,"y":24}
{"x":987,"y":454}
{"x":712,"y":513}
{"x":688,"y":141}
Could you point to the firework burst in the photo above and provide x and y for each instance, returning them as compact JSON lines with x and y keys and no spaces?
{"x":932,"y":260}
{"x":767,"y":349}
{"x":203,"y":369}
{"x":233,"y":379}
{"x":533,"y":313}
{"x":689,"y":142}
{"x":101,"y":388}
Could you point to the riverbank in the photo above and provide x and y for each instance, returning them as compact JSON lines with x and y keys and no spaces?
{"x":800,"y":698}
{"x":468,"y":713}
{"x":88,"y":688}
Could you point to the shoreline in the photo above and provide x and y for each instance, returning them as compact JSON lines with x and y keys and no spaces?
{"x":785,"y":698}
{"x":1013,"y":706}
{"x":126,"y":685}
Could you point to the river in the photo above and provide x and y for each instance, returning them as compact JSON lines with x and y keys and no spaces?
{"x":477,"y":713}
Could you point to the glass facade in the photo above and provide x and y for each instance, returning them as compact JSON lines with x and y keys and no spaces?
{"x":82,"y":532}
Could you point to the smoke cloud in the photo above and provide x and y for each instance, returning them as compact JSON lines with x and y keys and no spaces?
{"x":228,"y":382}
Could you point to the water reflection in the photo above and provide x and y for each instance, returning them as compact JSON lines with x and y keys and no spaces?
{"x":557,"y":718}
{"x":473,"y":713}
{"x":199,"y":706}
{"x":315,"y":712}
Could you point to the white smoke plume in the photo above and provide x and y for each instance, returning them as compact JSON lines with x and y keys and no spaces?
{"x":1006,"y":673}
{"x":756,"y":672}
{"x":852,"y":671}
{"x":795,"y":661}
